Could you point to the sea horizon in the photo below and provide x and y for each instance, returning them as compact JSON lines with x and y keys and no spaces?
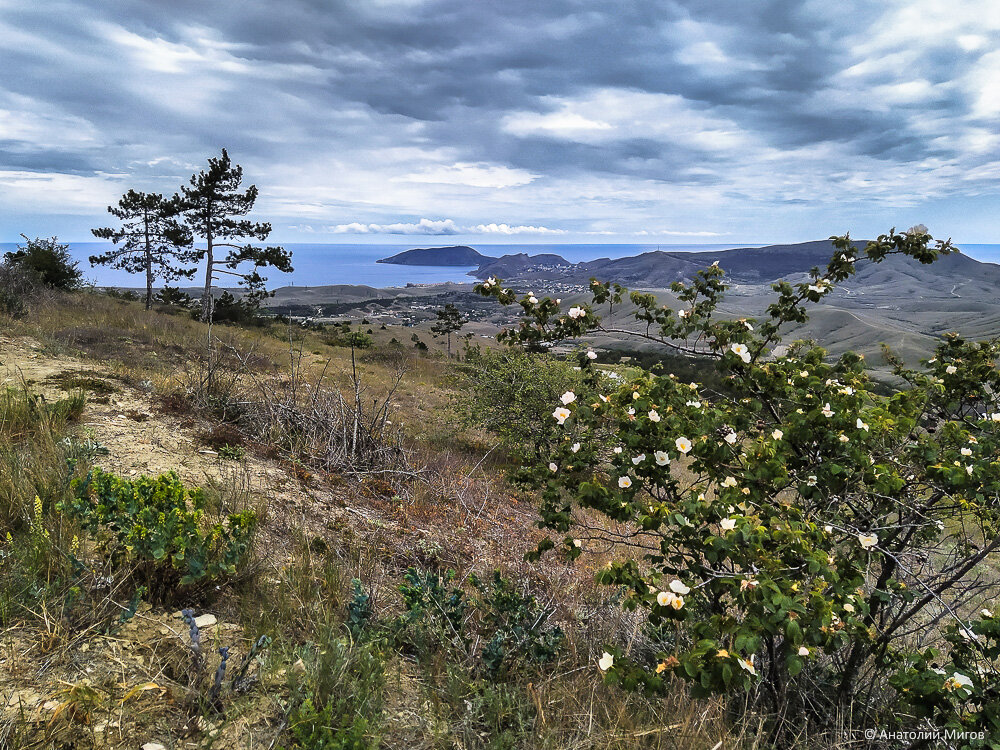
{"x":329,"y":263}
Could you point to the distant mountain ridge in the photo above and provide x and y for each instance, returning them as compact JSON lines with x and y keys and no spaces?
{"x":746,"y":265}
{"x":454,"y":255}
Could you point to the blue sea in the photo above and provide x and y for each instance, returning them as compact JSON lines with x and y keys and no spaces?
{"x":320,"y":264}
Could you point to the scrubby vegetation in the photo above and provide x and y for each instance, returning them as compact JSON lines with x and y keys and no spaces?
{"x":325,"y":545}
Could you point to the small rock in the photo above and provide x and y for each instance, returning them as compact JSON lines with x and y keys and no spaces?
{"x":205,"y":621}
{"x":299,"y":667}
{"x":153,"y":746}
{"x":50,"y":705}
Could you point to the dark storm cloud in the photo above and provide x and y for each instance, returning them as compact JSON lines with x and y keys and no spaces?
{"x":516,"y":95}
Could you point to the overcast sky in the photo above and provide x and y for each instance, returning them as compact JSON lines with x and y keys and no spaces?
{"x":512,"y":120}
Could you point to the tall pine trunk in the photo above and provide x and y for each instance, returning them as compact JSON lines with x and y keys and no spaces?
{"x":149,"y":260}
{"x":206,"y":297}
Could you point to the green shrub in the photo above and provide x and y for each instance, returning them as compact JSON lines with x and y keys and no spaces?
{"x":48,"y":261}
{"x":508,"y":392}
{"x":156,"y":524}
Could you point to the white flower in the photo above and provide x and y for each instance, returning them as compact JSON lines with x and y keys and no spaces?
{"x":811,"y":480}
{"x":662,"y":459}
{"x":847,"y":391}
{"x":985,"y":613}
{"x":683,"y":444}
{"x":747,"y":324}
{"x":848,"y":607}
{"x":827,"y":411}
{"x":951,"y":369}
{"x":591,"y":354}
{"x":727,"y":524}
{"x":803,"y":651}
{"x":568,"y":398}
{"x":618,"y":449}
{"x":967,"y":635}
{"x":576,"y":312}
{"x":957,"y":681}
{"x":682,"y":313}
{"x":533,"y":300}
{"x":624,"y":482}
{"x":665,"y":598}
{"x":575,"y":447}
{"x":553,"y":467}
{"x":694,"y":404}
{"x":828,"y":529}
{"x":804,"y":374}
{"x":631,"y":411}
{"x":966,"y":451}
{"x":729,"y":482}
{"x":741,"y":351}
{"x":995,"y":416}
{"x":715,"y":264}
{"x":747,"y":664}
{"x":731,"y":438}
{"x":561,"y":414}
{"x":635,"y":395}
{"x":639,"y":459}
{"x":654,"y":416}
{"x":844,"y":439}
{"x":820,"y":286}
{"x":968,"y":470}
{"x":861,"y":425}
{"x":577,"y":543}
{"x":606,"y":661}
{"x":867,"y":540}
{"x":777,"y":434}
{"x":679,"y":588}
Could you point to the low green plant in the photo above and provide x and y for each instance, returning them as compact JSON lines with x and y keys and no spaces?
{"x":156,"y":524}
{"x":435,"y":611}
{"x":232,"y":452}
{"x":338,"y":698}
{"x":359,"y":610}
{"x":515,"y":626}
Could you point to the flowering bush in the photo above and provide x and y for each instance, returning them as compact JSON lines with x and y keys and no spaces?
{"x":795,"y":535}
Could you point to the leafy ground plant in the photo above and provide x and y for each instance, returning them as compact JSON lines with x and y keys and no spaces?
{"x":797,"y":539}
{"x":157,"y":525}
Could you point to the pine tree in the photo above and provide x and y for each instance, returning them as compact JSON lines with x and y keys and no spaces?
{"x":449,"y":321}
{"x":152,"y":240}
{"x":212,"y":205}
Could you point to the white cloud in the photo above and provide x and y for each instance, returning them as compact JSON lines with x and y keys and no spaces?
{"x":473,"y":175}
{"x":440,"y":227}
{"x":613,"y":114}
